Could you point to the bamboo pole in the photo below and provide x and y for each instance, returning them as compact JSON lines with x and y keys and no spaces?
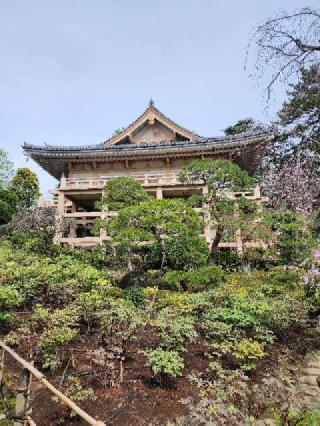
{"x":41,"y":378}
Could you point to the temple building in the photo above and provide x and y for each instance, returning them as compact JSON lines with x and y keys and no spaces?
{"x":152,"y":149}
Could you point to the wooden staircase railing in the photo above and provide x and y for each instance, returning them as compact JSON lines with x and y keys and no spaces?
{"x":22,"y":409}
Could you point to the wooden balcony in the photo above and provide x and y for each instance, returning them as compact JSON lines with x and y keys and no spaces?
{"x":146,"y":180}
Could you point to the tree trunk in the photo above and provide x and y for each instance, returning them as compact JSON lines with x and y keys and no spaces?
{"x":215,"y":245}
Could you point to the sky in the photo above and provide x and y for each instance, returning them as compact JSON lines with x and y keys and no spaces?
{"x":72,"y":71}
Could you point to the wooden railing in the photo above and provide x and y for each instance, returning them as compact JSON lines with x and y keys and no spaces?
{"x":23,"y":411}
{"x":100,"y":181}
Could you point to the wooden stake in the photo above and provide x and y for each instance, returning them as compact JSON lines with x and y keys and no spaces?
{"x":22,"y":398}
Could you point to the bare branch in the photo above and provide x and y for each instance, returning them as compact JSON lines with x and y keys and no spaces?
{"x":285,"y":44}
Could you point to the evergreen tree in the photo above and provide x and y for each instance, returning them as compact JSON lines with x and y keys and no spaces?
{"x":25,"y":187}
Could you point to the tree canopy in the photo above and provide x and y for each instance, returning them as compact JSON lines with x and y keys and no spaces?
{"x":25,"y":186}
{"x":242,"y":126}
{"x":155,"y":221}
{"x":221,"y":177}
{"x":122,"y":192}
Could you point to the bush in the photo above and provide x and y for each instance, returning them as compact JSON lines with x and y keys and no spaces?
{"x":52,"y":280}
{"x":88,"y":304}
{"x":198,"y":280}
{"x":174,"y":330}
{"x":39,"y":317}
{"x":164,"y":364}
{"x":228,"y":260}
{"x":61,"y":329}
{"x":247,"y":352}
{"x":182,"y":252}
{"x":135,"y":294}
{"x":9,"y":298}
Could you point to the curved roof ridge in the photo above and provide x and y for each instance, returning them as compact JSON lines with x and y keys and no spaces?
{"x":102,"y":146}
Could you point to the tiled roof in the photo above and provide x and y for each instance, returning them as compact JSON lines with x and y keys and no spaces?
{"x":247,"y":136}
{"x":247,"y":147}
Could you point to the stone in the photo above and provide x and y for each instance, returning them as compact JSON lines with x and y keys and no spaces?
{"x":312,"y":371}
{"x":310,"y":380}
{"x":312,"y":391}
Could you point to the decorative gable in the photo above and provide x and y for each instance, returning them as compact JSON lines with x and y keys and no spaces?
{"x":152,"y":126}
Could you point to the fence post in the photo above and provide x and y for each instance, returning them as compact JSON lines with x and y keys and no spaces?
{"x":22,"y":398}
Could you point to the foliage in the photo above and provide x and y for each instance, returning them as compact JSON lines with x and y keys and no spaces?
{"x":198,"y":280}
{"x":183,"y":253}
{"x":221,"y":178}
{"x":164,"y":363}
{"x":135,"y":294}
{"x":34,"y":227}
{"x":247,"y":352}
{"x":25,"y":186}
{"x":293,"y":241}
{"x":7,"y":205}
{"x":52,"y":280}
{"x":120,"y":321}
{"x":61,"y":329}
{"x":88,"y":304}
{"x":174,"y":330}
{"x":123,"y":192}
{"x":40,"y":317}
{"x":9,"y":298}
{"x":243,"y":126}
{"x":154,"y":221}
{"x":231,"y":399}
{"x":6,"y":169}
{"x":222,"y":401}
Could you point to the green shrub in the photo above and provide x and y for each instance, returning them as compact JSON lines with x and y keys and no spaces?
{"x":120,"y":321}
{"x":39,"y":317}
{"x":198,"y":280}
{"x":204,"y":278}
{"x":163,"y":363}
{"x":228,"y":260}
{"x":54,"y":281}
{"x":172,"y":280}
{"x":135,"y":294}
{"x":174,"y":330}
{"x":184,"y":252}
{"x":51,"y":343}
{"x":9,"y":298}
{"x":88,"y":304}
{"x":247,"y":352}
{"x":61,"y":329}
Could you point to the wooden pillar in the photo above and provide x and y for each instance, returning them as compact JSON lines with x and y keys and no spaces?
{"x":239,"y":243}
{"x":61,"y":201}
{"x":257,"y":198}
{"x":159,"y":193}
{"x":238,"y":233}
{"x":103,"y":232}
{"x":207,"y":224}
{"x":22,"y":398}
